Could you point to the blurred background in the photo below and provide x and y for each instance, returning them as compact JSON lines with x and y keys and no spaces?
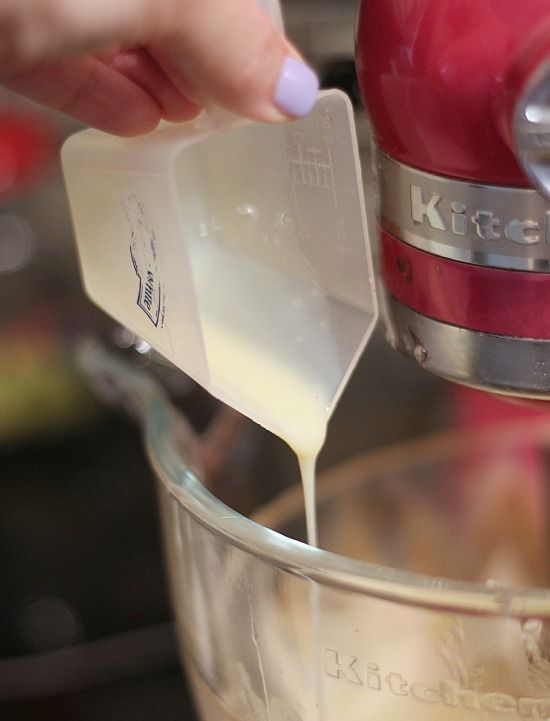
{"x":85,"y":625}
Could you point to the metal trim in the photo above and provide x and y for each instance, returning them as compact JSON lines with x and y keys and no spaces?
{"x":500,"y":364}
{"x":489,"y":225}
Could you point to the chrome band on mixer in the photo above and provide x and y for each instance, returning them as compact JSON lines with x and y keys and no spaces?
{"x":491,"y":225}
{"x":502,"y":364}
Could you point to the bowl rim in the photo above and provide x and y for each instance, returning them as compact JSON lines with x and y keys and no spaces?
{"x":180,"y":481}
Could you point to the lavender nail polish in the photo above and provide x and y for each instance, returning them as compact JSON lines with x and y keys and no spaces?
{"x":297,"y":88}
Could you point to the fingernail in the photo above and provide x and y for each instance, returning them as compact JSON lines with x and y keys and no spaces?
{"x":296,"y":90}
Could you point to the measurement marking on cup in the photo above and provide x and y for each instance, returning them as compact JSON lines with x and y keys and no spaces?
{"x":315,"y":152}
{"x":309,"y":166}
{"x":373,"y":678}
{"x":332,"y":184}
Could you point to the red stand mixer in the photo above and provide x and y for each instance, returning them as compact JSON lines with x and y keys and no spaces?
{"x":459,"y":97}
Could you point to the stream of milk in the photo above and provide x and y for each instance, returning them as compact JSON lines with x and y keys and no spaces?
{"x":290,"y":402}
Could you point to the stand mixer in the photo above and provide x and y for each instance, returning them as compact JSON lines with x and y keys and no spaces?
{"x":459,"y":98}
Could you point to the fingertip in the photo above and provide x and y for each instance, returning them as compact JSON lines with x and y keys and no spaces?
{"x":128,"y":126}
{"x":175,"y":113}
{"x":296,"y":90}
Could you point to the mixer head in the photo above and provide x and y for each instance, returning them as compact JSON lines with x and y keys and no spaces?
{"x":459,"y":97}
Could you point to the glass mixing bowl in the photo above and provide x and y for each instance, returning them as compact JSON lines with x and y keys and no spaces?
{"x":428,"y":598}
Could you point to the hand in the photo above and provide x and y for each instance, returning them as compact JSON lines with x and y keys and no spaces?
{"x":123,"y":65}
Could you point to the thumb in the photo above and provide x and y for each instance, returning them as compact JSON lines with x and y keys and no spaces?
{"x":230,"y":53}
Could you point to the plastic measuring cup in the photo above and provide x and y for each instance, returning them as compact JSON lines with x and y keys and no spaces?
{"x":235,"y":249}
{"x":429,"y":600}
